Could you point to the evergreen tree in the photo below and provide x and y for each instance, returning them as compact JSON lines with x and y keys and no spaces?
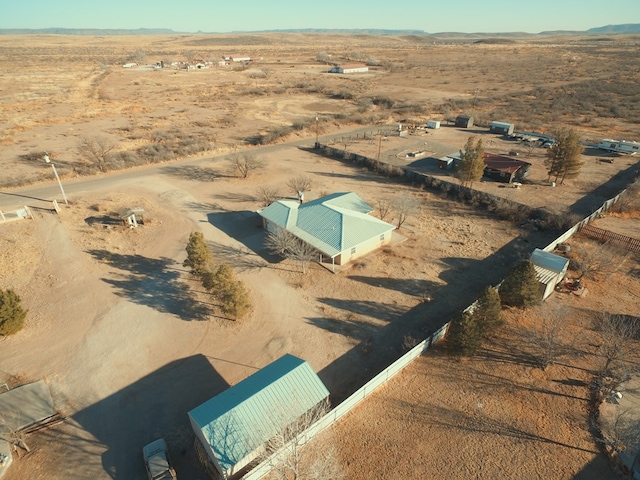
{"x":12,"y":314}
{"x":199,"y":258}
{"x":463,"y":335}
{"x":488,"y":312}
{"x":471,"y":165}
{"x":232,"y":293}
{"x":521,"y":287}
{"x":563,"y":157}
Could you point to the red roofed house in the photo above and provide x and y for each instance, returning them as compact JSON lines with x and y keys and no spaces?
{"x":505,"y":169}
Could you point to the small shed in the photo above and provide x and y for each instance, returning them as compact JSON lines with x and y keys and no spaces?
{"x":433,"y":124}
{"x":464,"y":121}
{"x":501,"y":128}
{"x":550,"y":270}
{"x":132,"y":216}
{"x":234,"y":426}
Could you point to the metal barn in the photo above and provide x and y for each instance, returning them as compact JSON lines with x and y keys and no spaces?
{"x":234,"y":426}
{"x":501,"y":128}
{"x":464,"y":121}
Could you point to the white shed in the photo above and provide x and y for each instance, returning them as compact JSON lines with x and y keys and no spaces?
{"x":550,"y":270}
{"x":433,"y":124}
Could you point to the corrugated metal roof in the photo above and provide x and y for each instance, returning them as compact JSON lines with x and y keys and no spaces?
{"x":549,"y":261}
{"x":245,"y":416}
{"x":331,"y":224}
{"x":544,"y":275}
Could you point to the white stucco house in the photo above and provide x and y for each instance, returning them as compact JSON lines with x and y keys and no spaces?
{"x":338,"y":226}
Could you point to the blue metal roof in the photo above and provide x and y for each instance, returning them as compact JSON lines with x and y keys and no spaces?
{"x":245,"y":416}
{"x":549,"y":261}
{"x":331,"y":224}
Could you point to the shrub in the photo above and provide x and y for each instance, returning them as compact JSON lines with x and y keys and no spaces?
{"x":12,"y":314}
{"x":199,"y":258}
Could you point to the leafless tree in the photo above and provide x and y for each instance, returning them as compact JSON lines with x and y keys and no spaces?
{"x":617,"y":342}
{"x":283,"y":243}
{"x":549,"y":336}
{"x":245,"y":163}
{"x":268,"y":195}
{"x":9,"y":423}
{"x":301,"y":183}
{"x":384,"y":208}
{"x":96,"y":151}
{"x":594,"y":260}
{"x":403,"y":206}
{"x":630,"y":199}
{"x":620,"y":432}
{"x":293,"y":456}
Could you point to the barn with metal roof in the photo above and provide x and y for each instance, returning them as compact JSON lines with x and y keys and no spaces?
{"x":550,"y":270}
{"x":338,"y":225}
{"x":234,"y":426}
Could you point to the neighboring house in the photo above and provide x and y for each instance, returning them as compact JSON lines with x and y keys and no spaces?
{"x":338,"y":226}
{"x":234,"y":426}
{"x":620,"y":146}
{"x":550,"y":270}
{"x":505,"y":169}
{"x":350,"y":68}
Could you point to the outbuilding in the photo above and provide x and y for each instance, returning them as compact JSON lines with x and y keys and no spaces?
{"x":433,"y":124}
{"x":234,"y":426}
{"x":505,"y":169}
{"x":464,"y":121}
{"x":550,"y":270}
{"x":501,"y":128}
{"x":350,"y":68}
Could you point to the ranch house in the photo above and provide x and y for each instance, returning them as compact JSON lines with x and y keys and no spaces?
{"x":338,"y":226}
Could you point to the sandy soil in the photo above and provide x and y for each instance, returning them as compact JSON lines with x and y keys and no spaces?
{"x":127,"y":343}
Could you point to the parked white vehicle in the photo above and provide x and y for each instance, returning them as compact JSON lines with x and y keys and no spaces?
{"x":156,"y":460}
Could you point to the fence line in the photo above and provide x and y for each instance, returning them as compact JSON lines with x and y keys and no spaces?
{"x":396,"y":367}
{"x":19,"y":214}
{"x":629,"y":243}
{"x":354,"y":399}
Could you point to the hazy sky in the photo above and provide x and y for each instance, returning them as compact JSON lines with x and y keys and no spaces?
{"x":241,"y":15}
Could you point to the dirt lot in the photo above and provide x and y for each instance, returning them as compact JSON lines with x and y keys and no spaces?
{"x":113,"y":325}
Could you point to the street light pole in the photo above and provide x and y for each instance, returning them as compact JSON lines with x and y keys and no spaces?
{"x":55,"y":172}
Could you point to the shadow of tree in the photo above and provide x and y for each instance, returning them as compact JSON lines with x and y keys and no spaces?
{"x":192,"y":172}
{"x":153,"y":282}
{"x":410,"y":286}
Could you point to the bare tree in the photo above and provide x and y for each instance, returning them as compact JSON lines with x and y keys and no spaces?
{"x":96,"y":151}
{"x":594,"y":261}
{"x":245,"y":163}
{"x":384,"y":208}
{"x":283,"y":243}
{"x":291,"y":454}
{"x":301,"y":183}
{"x":549,"y":336}
{"x":404,"y":206}
{"x":9,"y":428}
{"x":617,"y":335}
{"x":268,"y":195}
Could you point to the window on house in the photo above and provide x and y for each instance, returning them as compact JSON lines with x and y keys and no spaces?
{"x":353,"y":251}
{"x":382,"y":237}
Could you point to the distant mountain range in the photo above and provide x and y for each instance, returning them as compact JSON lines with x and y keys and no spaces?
{"x":607,"y":30}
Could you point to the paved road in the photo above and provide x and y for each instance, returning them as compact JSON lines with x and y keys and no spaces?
{"x":41,"y":195}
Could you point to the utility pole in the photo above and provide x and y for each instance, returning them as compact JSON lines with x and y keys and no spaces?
{"x":379,"y":145}
{"x":317,"y":144}
{"x":55,"y":172}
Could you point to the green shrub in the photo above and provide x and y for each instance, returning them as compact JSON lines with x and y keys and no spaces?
{"x":12,"y":314}
{"x":463,"y":335}
{"x":488,"y":312}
